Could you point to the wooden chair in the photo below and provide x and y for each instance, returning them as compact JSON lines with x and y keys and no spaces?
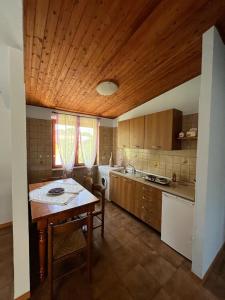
{"x":99,"y":191}
{"x":65,"y":240}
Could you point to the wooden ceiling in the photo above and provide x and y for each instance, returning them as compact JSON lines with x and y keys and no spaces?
{"x":146,"y":46}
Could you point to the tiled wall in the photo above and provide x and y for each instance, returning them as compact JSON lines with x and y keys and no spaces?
{"x":39,"y":149}
{"x":105,"y":144}
{"x":165,"y":163}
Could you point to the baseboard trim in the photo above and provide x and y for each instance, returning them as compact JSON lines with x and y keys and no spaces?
{"x":213,"y":263}
{"x":5,"y":225}
{"x":25,"y":296}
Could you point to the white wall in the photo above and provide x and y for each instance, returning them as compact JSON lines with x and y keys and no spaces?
{"x":5,"y":143}
{"x":19,"y":175}
{"x":209,"y":228}
{"x":13,"y":136}
{"x":184,"y":97}
{"x":45,"y":113}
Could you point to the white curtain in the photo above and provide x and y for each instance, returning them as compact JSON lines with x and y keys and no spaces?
{"x":88,"y":138}
{"x":66,"y":139}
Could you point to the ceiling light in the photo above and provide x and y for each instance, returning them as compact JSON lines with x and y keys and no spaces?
{"x":107,"y":88}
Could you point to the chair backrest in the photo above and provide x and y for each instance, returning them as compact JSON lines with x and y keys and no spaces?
{"x":88,"y":183}
{"x":63,"y":228}
{"x":67,"y":227}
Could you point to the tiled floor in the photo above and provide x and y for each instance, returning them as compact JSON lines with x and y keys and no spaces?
{"x":6,"y":264}
{"x":131,"y":263}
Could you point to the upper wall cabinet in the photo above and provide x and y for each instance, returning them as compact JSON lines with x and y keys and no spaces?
{"x":124,"y":134}
{"x":162,"y":129}
{"x":137,"y":126}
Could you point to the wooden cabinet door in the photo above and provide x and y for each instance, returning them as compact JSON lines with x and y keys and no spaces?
{"x":115,"y":188}
{"x":151,"y":137}
{"x":166,"y":129}
{"x":127,"y":194}
{"x":137,"y":126}
{"x":124,"y":134}
{"x":137,"y":206}
{"x":162,"y":129}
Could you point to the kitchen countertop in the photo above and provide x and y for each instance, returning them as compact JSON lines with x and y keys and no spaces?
{"x":184,"y":190}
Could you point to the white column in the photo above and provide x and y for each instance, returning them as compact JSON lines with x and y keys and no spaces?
{"x":209,"y":227}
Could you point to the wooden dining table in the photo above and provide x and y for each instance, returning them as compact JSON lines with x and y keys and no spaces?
{"x":44,"y":214}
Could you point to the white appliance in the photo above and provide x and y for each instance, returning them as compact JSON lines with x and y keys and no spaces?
{"x":104,"y":177}
{"x":177,"y":223}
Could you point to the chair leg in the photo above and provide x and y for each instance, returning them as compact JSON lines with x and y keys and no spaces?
{"x":50,"y":263}
{"x":50,"y":282}
{"x":103,"y":224}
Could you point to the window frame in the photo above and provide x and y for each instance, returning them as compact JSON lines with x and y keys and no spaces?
{"x":54,"y":166}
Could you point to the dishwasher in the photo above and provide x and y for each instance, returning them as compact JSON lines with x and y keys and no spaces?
{"x":177,"y":223}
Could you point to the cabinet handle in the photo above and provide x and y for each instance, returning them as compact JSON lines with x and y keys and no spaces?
{"x":156,"y":147}
{"x":137,"y":146}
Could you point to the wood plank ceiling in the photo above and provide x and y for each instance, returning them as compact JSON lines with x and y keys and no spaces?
{"x":147,"y":46}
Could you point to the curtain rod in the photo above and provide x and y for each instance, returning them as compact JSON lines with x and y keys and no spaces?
{"x":70,"y":114}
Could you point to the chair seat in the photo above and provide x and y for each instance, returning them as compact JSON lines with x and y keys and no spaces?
{"x":65,"y":244}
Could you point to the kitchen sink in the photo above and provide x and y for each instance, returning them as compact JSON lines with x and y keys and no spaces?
{"x":128,"y":173}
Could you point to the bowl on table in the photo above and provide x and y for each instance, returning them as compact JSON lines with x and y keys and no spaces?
{"x":56,"y":192}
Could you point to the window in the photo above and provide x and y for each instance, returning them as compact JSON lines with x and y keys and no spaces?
{"x":87,"y":134}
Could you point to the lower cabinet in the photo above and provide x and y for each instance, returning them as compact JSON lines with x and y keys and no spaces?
{"x":151,"y":205}
{"x":143,"y":201}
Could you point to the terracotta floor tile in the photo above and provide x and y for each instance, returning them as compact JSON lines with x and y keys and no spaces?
{"x":169,"y":254}
{"x":216,"y":285}
{"x":118,"y":293}
{"x":182,"y":286}
{"x":160,"y":269}
{"x":140,"y":284}
{"x":6,"y":273}
{"x":6,"y":292}
{"x":162,"y":295}
{"x":123,"y":261}
{"x":219,"y":267}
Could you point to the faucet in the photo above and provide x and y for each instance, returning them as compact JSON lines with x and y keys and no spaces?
{"x":133,"y":169}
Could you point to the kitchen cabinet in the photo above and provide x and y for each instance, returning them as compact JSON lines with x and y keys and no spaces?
{"x":151,"y":206}
{"x":137,"y":132}
{"x":141,"y":200}
{"x":122,"y":191}
{"x":127,"y":193}
{"x":124,"y":134}
{"x":115,"y":188}
{"x":162,"y":129}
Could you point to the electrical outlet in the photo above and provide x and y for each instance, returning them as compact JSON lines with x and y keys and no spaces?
{"x":156,"y":164}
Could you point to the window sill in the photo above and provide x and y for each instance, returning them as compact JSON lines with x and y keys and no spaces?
{"x":76,"y":167}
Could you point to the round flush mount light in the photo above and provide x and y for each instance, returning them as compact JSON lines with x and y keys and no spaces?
{"x":107,"y":88}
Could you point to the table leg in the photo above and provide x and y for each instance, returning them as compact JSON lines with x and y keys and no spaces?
{"x":89,"y":252}
{"x":42,"y":251}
